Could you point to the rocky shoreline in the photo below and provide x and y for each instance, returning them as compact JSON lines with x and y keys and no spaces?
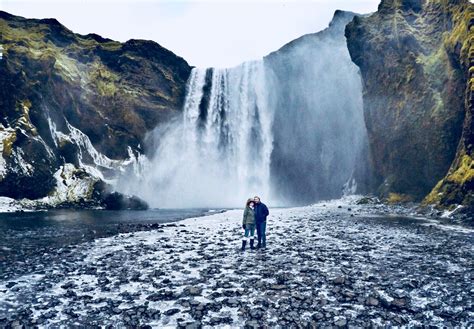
{"x":330,"y":264}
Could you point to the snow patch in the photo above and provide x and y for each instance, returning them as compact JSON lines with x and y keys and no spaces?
{"x":69,"y":186}
{"x":450,"y":213}
{"x":9,"y":205}
{"x":5,"y":133}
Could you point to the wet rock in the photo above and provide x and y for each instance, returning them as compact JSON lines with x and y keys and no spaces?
{"x":10,"y":284}
{"x":68,"y":285}
{"x":192,"y":291}
{"x":171,"y":311}
{"x":70,"y":294}
{"x":161,"y":295}
{"x":119,"y":201}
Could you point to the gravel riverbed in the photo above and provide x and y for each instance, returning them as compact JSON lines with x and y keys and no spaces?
{"x":331,"y":264}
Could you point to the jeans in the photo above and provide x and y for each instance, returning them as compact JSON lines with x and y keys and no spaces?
{"x":249,"y":231}
{"x":261,"y":233}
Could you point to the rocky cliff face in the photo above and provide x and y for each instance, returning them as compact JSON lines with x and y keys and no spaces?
{"x":75,"y":109}
{"x":415,"y":58}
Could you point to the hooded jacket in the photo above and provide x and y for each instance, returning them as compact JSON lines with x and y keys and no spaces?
{"x":249,"y":216}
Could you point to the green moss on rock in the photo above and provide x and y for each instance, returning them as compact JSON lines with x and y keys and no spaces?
{"x":113,"y":92}
{"x":396,"y":198}
{"x":414,"y":58}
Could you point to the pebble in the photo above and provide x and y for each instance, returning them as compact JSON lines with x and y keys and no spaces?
{"x":319,"y":265}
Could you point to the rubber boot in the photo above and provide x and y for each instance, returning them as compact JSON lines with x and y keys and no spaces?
{"x":244,"y":242}
{"x":251,"y":244}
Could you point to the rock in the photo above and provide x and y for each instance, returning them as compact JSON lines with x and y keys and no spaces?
{"x":70,"y":293}
{"x":113,"y":114}
{"x":368,"y":200}
{"x":116,"y":310}
{"x":10,"y":284}
{"x":251,"y":324}
{"x":68,"y":285}
{"x":161,"y":295}
{"x":194,"y":302}
{"x":371,"y":301}
{"x":192,"y":291}
{"x":340,"y":322}
{"x":118,"y":201}
{"x":256,"y":313}
{"x":283,"y":277}
{"x":171,"y":311}
{"x":420,"y":91}
{"x":400,"y":303}
{"x":339,"y":279}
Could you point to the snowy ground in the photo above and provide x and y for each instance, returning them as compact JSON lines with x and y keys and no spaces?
{"x":328,"y":264}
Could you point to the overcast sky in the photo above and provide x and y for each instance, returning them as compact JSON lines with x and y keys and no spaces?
{"x":206,"y":33}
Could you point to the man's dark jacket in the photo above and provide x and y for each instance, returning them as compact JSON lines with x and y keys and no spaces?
{"x":261,"y":212}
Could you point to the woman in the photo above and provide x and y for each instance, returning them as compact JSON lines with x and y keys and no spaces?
{"x":248,"y":223}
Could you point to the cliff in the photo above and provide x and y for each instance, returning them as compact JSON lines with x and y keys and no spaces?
{"x":414,"y":57}
{"x":76,"y":108}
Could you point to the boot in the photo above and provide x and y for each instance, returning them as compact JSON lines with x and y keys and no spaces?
{"x":259,"y":245}
{"x":251,"y":244}
{"x":244,"y":242}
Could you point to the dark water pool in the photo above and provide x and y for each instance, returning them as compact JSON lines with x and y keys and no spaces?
{"x":28,"y":233}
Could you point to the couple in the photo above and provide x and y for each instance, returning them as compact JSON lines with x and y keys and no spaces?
{"x":255,"y":216}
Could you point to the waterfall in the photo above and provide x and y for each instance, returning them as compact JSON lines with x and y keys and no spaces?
{"x":320,"y":144}
{"x":289,"y":127}
{"x":218,"y":153}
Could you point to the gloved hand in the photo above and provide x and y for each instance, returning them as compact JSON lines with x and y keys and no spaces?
{"x":243,"y":226}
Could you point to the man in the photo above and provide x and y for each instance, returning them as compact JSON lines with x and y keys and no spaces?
{"x":261,"y":213}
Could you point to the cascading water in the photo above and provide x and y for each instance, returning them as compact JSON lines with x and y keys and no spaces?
{"x":289,"y":128}
{"x":218,"y":154}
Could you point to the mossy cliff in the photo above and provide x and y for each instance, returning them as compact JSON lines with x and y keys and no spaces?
{"x":78,"y":99}
{"x":414,"y":57}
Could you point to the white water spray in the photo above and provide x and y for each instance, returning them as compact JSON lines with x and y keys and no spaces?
{"x":289,"y":128}
{"x":218,"y":154}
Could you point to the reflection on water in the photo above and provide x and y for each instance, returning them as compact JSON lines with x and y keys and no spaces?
{"x":28,"y":232}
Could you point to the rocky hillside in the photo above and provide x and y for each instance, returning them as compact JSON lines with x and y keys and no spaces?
{"x":74,"y":108}
{"x":415,"y":58}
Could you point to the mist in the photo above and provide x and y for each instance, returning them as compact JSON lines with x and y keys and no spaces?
{"x":320,"y":139}
{"x":218,"y":153}
{"x":288,"y":128}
